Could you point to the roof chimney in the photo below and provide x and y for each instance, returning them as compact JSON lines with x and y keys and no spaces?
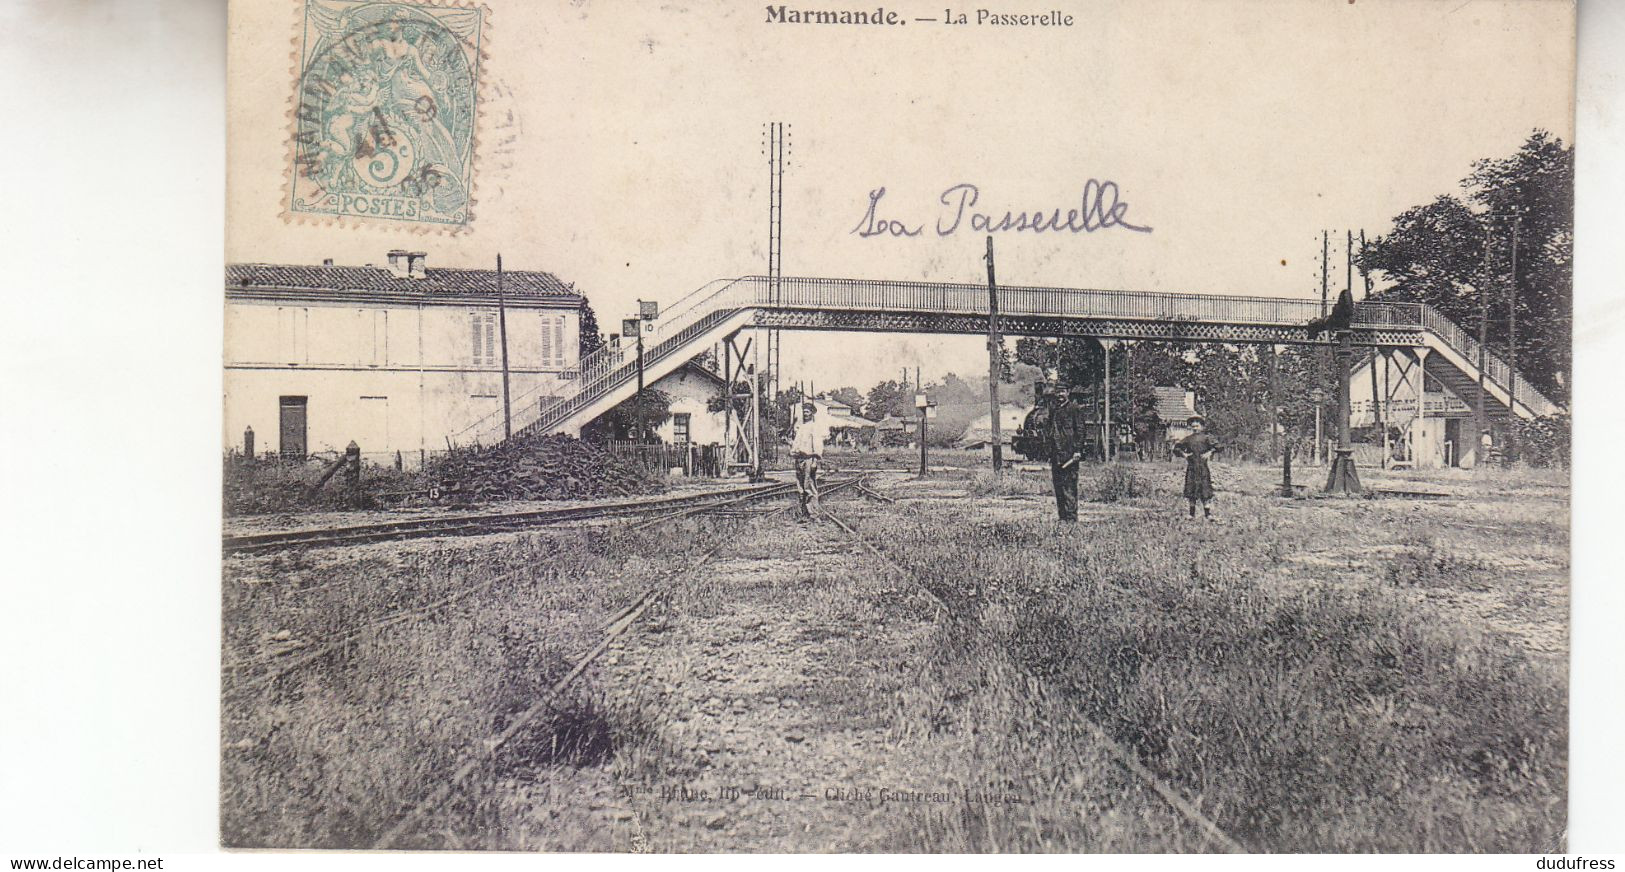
{"x":398,"y":262}
{"x":416,"y":267}
{"x":327,"y":261}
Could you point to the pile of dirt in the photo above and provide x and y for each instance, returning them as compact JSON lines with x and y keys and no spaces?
{"x":551,"y":467}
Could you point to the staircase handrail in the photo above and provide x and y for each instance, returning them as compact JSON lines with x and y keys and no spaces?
{"x":1495,"y":369}
{"x":590,"y":370}
{"x":612,"y":366}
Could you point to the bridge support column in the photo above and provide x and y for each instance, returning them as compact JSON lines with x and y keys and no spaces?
{"x":743,"y":429}
{"x":1419,"y":423}
{"x":1343,"y":478}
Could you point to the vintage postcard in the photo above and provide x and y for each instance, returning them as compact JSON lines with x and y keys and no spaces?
{"x":1091,"y":426}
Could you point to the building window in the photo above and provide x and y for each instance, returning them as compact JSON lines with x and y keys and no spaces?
{"x":373,"y":324}
{"x":484,"y":336}
{"x":553,"y":341}
{"x":292,"y":327}
{"x":679,"y":428}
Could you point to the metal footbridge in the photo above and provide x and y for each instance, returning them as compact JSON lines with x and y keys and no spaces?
{"x":720,"y":310}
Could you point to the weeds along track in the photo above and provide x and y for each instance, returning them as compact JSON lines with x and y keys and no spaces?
{"x":616,"y":627}
{"x":476,"y":525}
{"x":722,"y":508}
{"x":1118,"y":752}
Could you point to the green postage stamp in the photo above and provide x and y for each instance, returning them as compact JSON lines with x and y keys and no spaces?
{"x":384,"y":113}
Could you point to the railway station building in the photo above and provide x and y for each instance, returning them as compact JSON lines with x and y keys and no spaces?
{"x":400,"y":357}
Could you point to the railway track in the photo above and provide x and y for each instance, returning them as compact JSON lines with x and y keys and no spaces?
{"x":1124,"y":756}
{"x":617,"y":626}
{"x":725,"y":508}
{"x":476,"y":525}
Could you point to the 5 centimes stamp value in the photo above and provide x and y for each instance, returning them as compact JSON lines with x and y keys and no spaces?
{"x":387,"y":95}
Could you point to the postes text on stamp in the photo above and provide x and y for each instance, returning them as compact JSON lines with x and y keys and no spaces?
{"x":385,"y":110}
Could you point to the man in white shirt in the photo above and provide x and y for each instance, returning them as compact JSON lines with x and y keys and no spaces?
{"x":806,"y":449}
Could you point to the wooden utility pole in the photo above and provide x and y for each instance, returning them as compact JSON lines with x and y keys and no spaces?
{"x":639,"y":401}
{"x":1483,"y":339}
{"x":1512,"y":321}
{"x":1376,"y":397}
{"x":775,"y":245}
{"x":995,"y":344}
{"x":502,"y":330}
{"x":1348,"y":263}
{"x":635,"y":327}
{"x":1325,"y":255}
{"x":922,"y":442}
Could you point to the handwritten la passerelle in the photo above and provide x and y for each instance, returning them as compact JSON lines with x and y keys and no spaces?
{"x":1100,"y":207}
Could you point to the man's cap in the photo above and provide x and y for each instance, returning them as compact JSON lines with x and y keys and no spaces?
{"x":1196,"y":419}
{"x":1078,"y":391}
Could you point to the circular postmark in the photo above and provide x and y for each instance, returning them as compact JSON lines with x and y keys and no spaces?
{"x":385,"y":117}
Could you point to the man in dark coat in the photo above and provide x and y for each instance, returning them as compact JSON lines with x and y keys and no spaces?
{"x":1064,"y":438}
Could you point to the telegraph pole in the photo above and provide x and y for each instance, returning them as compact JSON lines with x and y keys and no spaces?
{"x":1483,"y":339}
{"x":1512,"y":321}
{"x":502,"y":329}
{"x":994,"y":345}
{"x":1325,"y":254}
{"x":1376,"y":397}
{"x":1348,"y":260}
{"x":775,"y":244}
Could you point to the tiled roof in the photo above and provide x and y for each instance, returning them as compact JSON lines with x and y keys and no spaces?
{"x":437,"y":283}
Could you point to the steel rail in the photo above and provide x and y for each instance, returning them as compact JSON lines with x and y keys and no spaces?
{"x":616,"y":627}
{"x":487,"y":749}
{"x":478,"y":524}
{"x":354,"y":635}
{"x":1121,"y":754}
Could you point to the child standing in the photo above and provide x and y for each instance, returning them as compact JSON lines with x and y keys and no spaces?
{"x":1197,"y":448}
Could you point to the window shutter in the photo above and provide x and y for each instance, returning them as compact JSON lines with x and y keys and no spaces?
{"x":558,"y":340}
{"x":490,"y":338}
{"x":474,"y":322}
{"x":547,"y":340}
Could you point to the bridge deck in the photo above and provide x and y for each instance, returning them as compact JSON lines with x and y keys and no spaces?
{"x":728,"y":305}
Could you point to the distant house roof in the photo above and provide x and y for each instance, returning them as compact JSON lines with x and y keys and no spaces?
{"x":980,"y":431}
{"x":895,"y":422}
{"x":839,"y":414}
{"x":1174,"y":405}
{"x":699,"y":369}
{"x":375,"y":284}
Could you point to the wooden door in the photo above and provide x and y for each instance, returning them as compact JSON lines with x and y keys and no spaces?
{"x":291,"y":435}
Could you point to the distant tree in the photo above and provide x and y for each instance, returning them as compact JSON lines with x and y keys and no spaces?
{"x":888,"y":398}
{"x":783,"y":414}
{"x":851,"y":396}
{"x":707,"y":360}
{"x":632,"y":415}
{"x":591,"y":339}
{"x":1455,"y":252}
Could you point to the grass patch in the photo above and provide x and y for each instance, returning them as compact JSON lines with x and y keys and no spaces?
{"x":330,"y":755}
{"x":1119,"y":481}
{"x":983,"y":483}
{"x":1330,"y":715}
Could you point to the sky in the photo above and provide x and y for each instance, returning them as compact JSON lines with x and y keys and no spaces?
{"x":621,"y":147}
